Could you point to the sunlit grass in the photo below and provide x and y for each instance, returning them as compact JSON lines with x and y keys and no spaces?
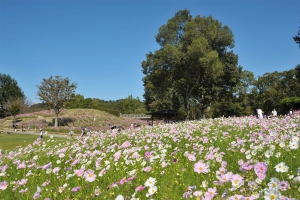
{"x":9,"y":142}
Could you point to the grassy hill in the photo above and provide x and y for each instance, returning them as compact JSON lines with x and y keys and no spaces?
{"x":76,"y":118}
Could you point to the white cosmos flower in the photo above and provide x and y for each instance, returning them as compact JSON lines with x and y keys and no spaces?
{"x":150,"y":182}
{"x":278,"y":154}
{"x":272,"y":147}
{"x":272,"y":194}
{"x":274,"y":183}
{"x":281,"y":167}
{"x":282,"y":144}
{"x":295,"y":139}
{"x":268,"y":153}
{"x":120,"y":197}
{"x":152,"y":190}
{"x":293,"y":145}
{"x":248,"y":156}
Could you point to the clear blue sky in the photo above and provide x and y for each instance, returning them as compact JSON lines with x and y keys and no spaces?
{"x":100,"y":44}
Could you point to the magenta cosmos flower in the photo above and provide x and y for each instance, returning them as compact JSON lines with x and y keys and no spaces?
{"x":201,"y":167}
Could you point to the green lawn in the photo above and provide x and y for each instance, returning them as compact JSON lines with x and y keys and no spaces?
{"x":10,"y":141}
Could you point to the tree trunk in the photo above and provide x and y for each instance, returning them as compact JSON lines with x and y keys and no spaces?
{"x":56,"y":120}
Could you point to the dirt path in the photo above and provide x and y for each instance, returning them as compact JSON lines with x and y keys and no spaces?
{"x":11,"y":131}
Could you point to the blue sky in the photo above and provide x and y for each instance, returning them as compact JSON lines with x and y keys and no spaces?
{"x":100,"y":44}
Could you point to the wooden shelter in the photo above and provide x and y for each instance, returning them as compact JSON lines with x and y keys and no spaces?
{"x":166,"y":114}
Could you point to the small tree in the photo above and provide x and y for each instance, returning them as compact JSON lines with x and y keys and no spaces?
{"x":55,"y":91}
{"x":14,"y":109}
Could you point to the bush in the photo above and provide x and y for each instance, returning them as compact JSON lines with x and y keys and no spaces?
{"x":62,"y":121}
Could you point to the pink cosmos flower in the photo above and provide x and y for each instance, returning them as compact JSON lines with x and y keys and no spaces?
{"x":197,"y":193}
{"x":147,"y":154}
{"x":211,"y":192}
{"x":76,"y":189}
{"x":89,"y":175}
{"x":246,"y":166}
{"x":79,"y":172}
{"x":210,"y":157}
{"x":56,"y":170}
{"x":260,"y":167}
{"x":3,"y":168}
{"x":284,"y":185}
{"x":147,"y":169}
{"x":102,"y":172}
{"x":261,"y":176}
{"x":224,"y":163}
{"x":45,"y":183}
{"x":201,"y":167}
{"x":22,"y":182}
{"x":23,"y":190}
{"x":191,"y":157}
{"x":225,"y":177}
{"x":140,"y":188}
{"x":131,"y":178}
{"x":123,"y":180}
{"x":74,"y":162}
{"x":47,"y":166}
{"x":3,"y":185}
{"x":125,"y":144}
{"x":21,"y":165}
{"x":37,"y":194}
{"x":117,"y":156}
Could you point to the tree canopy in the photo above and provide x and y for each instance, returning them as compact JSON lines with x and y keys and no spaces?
{"x":192,"y":66}
{"x":9,"y":92}
{"x":55,"y":91}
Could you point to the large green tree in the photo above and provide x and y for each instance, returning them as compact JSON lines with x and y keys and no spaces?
{"x":55,"y":92}
{"x":9,"y":92}
{"x":189,"y":64}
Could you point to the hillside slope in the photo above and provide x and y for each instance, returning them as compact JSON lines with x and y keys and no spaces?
{"x":91,"y":118}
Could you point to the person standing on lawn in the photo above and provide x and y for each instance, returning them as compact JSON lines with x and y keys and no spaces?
{"x":41,"y":134}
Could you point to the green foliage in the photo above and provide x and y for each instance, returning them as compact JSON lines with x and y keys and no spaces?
{"x":64,"y":121}
{"x":14,"y":109}
{"x":297,"y":38}
{"x":9,"y":92}
{"x":55,"y":91}
{"x":128,"y":105}
{"x":192,"y":67}
{"x":290,"y":101}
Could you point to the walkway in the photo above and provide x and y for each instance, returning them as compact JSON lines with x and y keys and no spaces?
{"x":11,"y":131}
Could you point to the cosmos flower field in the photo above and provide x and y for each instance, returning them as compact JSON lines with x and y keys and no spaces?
{"x":230,"y":158}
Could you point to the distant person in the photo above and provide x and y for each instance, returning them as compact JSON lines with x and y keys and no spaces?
{"x":71,"y":133}
{"x":28,"y":127}
{"x":259,"y":113}
{"x":41,"y":134}
{"x":274,"y":113}
{"x":290,"y":112}
{"x":15,"y":127}
{"x":83,"y":132}
{"x":131,"y":126}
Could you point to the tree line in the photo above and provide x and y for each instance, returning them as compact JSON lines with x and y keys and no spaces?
{"x":195,"y":72}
